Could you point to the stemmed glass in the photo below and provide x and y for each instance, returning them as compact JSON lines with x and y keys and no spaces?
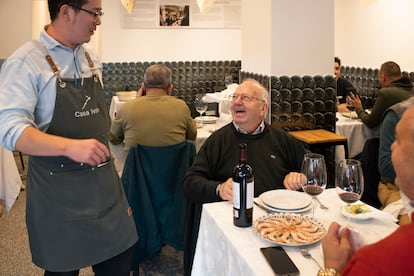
{"x":350,"y":105}
{"x":314,"y":168}
{"x":349,"y":182}
{"x":200,"y":105}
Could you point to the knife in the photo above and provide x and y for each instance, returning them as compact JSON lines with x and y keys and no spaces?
{"x":261,"y":206}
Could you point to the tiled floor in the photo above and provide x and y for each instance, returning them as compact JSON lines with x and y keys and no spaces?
{"x":15,"y":257}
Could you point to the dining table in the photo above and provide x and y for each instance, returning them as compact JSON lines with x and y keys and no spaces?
{"x":224,"y":249}
{"x":10,"y":181}
{"x":114,"y":107}
{"x":356,"y":132}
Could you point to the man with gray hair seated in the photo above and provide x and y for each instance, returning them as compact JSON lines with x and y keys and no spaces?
{"x":155,"y":119}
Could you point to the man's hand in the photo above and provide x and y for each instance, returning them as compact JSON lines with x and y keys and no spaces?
{"x":226,"y":190}
{"x":337,"y":249}
{"x":356,"y":100}
{"x":35,"y":142}
{"x":294,"y":180}
{"x":88,"y":151}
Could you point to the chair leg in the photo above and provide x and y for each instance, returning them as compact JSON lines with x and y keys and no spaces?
{"x":21,"y":159}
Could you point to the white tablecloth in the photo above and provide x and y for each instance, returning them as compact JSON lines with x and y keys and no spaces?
{"x":10,"y":181}
{"x":224,"y":249}
{"x":115,"y":106}
{"x":357,"y":134}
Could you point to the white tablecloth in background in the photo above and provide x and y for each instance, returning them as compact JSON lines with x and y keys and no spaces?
{"x":10,"y":181}
{"x":357,"y":134}
{"x":115,"y":106}
{"x":224,"y":249}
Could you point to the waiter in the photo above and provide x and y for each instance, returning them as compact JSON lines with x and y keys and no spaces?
{"x":52,"y":107}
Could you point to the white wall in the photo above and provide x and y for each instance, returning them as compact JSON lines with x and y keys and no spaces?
{"x":15,"y":22}
{"x":302,"y":37}
{"x":370,"y":32}
{"x":367,"y":33}
{"x":294,"y":37}
{"x":256,"y":42}
{"x":120,"y":44}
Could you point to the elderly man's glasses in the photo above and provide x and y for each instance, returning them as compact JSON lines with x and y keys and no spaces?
{"x":245,"y":98}
{"x":95,"y":14}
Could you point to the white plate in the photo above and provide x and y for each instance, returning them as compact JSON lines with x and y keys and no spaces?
{"x":370,"y":213}
{"x":367,"y":211}
{"x":206,"y":119}
{"x":276,"y":210}
{"x":286,"y":199}
{"x":352,"y":115}
{"x":292,"y":225}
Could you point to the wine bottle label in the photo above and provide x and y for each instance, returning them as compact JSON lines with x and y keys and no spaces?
{"x":249,"y":195}
{"x":236,"y":196}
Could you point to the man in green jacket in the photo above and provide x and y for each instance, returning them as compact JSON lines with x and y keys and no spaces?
{"x":395,"y":88}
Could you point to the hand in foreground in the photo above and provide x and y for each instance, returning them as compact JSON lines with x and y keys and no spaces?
{"x":88,"y":151}
{"x":355,"y":99}
{"x":226,"y":190}
{"x":336,"y":246}
{"x":294,"y":180}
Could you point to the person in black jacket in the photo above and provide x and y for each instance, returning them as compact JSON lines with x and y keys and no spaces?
{"x":343,"y":86}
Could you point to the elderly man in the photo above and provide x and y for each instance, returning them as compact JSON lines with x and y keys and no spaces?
{"x":274,"y":155}
{"x":394,"y":89}
{"x":392,"y":255}
{"x":155,"y":119}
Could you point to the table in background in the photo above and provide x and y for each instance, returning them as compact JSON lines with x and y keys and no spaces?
{"x":224,"y":249}
{"x":115,"y":106}
{"x":10,"y":181}
{"x":357,"y":134}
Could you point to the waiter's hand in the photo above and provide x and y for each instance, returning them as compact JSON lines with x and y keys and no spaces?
{"x":89,"y":151}
{"x":226,"y":190}
{"x":294,"y":180}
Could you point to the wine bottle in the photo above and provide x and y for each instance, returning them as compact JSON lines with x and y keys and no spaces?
{"x":243,"y":190}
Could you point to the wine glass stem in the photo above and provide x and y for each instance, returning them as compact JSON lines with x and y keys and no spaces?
{"x":313,"y":206}
{"x":349,"y":217}
{"x":201,"y":118}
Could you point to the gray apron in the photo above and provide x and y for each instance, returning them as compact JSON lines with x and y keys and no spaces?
{"x":77,"y":215}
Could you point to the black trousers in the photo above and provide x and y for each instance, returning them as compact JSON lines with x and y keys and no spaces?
{"x":119,"y":265}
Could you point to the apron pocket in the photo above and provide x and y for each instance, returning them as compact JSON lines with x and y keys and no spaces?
{"x":84,"y":194}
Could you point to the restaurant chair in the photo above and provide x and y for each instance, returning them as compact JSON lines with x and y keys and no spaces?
{"x":369,"y":162}
{"x":152,"y":178}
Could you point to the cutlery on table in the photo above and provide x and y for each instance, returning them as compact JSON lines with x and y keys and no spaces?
{"x":261,"y":206}
{"x":320,"y":203}
{"x":305,"y":253}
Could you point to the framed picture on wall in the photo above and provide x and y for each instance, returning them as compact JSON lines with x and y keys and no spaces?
{"x":182,"y":14}
{"x":174,"y":16}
